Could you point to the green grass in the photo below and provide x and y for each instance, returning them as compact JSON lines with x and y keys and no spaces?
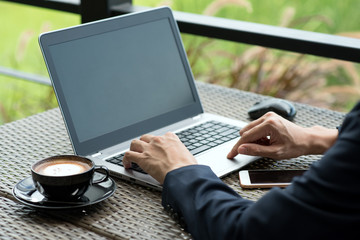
{"x":210,"y":58}
{"x":22,"y":98}
{"x":343,"y":14}
{"x":19,"y":50}
{"x":21,"y":25}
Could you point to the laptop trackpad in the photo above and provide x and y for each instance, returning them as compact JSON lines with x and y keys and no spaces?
{"x":216,"y":159}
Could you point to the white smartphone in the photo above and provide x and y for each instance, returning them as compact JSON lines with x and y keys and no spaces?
{"x":267,"y":178}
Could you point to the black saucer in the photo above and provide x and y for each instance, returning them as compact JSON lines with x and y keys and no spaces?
{"x":26,"y":193}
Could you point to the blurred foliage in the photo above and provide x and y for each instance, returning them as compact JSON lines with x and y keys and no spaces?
{"x":19,"y":49}
{"x":318,"y":81}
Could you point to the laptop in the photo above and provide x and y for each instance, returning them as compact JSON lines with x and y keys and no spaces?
{"x":119,"y":78}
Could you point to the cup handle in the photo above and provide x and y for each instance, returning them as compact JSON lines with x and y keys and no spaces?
{"x":101,"y":169}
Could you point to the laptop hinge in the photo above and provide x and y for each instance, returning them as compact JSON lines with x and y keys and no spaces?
{"x":96,"y":154}
{"x":196,"y":117}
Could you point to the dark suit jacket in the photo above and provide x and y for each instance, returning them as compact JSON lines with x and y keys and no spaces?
{"x":322,"y":204}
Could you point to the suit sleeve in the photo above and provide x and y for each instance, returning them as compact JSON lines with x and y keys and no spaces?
{"x":322,"y":204}
{"x":197,"y":196}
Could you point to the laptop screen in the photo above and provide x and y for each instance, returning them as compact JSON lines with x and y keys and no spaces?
{"x":117,"y":84}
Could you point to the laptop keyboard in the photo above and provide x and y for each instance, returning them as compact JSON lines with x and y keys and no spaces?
{"x":197,"y":139}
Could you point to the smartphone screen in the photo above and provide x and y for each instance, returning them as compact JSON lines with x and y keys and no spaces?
{"x":267,"y":178}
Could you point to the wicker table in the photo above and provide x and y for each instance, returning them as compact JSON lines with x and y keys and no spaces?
{"x":133,"y":212}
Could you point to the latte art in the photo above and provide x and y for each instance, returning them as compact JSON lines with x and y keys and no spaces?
{"x":62,"y":168}
{"x":66,"y":177}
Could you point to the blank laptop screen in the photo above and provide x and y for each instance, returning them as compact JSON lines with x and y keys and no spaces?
{"x":119,"y":78}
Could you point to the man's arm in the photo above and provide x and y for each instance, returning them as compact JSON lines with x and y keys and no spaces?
{"x":322,"y":204}
{"x":210,"y":209}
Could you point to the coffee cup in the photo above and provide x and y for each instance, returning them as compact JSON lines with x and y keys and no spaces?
{"x":65,"y":177}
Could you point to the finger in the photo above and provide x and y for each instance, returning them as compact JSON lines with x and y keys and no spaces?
{"x":234,"y":150}
{"x":255,"y":134}
{"x":146,"y":138}
{"x":137,"y":145}
{"x":253,"y":149}
{"x":258,"y":122}
{"x":171,"y":135}
{"x":252,"y":124}
{"x":130,"y":157}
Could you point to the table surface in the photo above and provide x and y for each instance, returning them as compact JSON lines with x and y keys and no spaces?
{"x":133,"y":211}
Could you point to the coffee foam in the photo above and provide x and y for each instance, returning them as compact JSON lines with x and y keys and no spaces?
{"x":62,"y":168}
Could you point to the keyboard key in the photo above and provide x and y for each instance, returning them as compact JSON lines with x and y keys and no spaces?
{"x":137,"y":168}
{"x":118,"y":161}
{"x":218,"y":141}
{"x":200,"y":149}
{"x":228,"y":132}
{"x":197,"y":139}
{"x":212,"y":144}
{"x":207,"y":135}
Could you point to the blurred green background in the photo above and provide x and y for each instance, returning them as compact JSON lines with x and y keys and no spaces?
{"x":317,"y":81}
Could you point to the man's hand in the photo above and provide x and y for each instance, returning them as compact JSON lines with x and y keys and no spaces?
{"x":158,"y":155}
{"x":275,"y":137}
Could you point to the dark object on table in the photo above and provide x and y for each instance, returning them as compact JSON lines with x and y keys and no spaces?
{"x":26,"y":193}
{"x":282,"y":107}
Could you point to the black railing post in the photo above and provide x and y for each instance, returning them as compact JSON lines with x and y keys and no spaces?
{"x":92,"y":10}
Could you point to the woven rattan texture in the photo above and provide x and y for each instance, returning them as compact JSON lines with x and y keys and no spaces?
{"x":133,"y":212}
{"x":19,"y":222}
